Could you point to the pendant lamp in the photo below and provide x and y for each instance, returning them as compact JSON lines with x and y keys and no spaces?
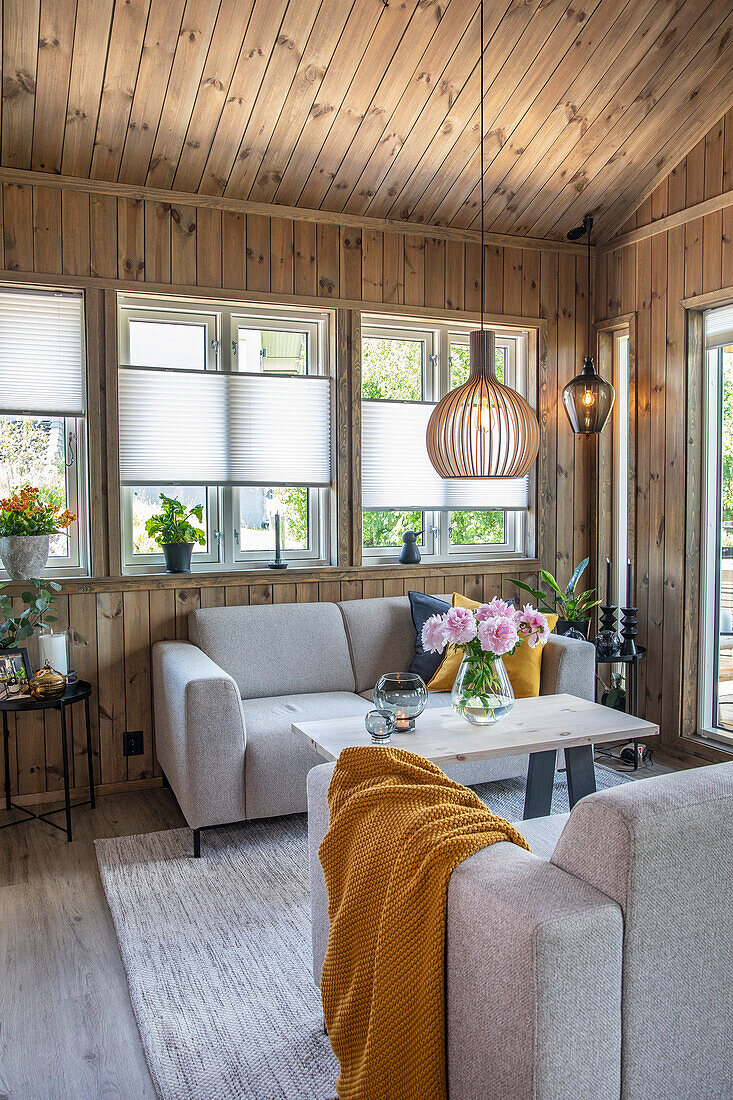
{"x":483,"y":428}
{"x":588,"y":398}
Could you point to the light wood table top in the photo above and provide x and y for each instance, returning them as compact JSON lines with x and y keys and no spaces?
{"x":534,"y":725}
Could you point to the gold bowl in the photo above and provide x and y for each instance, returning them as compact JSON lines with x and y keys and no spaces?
{"x":47,"y":683}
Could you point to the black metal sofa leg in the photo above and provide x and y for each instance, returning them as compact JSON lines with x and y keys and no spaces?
{"x":197,"y":843}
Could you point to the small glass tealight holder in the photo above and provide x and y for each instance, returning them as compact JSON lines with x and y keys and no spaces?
{"x":380,"y":726}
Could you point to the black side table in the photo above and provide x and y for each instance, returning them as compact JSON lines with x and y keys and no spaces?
{"x":75,"y":693}
{"x":632,"y":695}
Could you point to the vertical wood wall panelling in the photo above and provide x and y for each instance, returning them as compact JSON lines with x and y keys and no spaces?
{"x":111,"y":686}
{"x":104,"y":236}
{"x":18,"y":227}
{"x":138,"y":691}
{"x":566,"y":369}
{"x":258,"y":252}
{"x":131,"y":239}
{"x":76,"y":233}
{"x":47,"y":230}
{"x":208,"y":247}
{"x":282,"y":256}
{"x":83,"y":657}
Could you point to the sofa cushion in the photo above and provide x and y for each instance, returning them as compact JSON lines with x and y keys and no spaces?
{"x":422,"y":608}
{"x":277,"y":649}
{"x":381,"y":637}
{"x":276,"y":760}
{"x":542,"y":833}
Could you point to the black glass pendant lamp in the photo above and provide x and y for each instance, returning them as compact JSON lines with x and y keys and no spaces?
{"x":588,"y":398}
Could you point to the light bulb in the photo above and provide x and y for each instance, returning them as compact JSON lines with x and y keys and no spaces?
{"x":588,"y":398}
{"x":484,"y":415}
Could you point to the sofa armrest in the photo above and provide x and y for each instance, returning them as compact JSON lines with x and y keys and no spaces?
{"x":317,"y":784}
{"x":568,"y":667}
{"x":530,"y":1009}
{"x":199,"y":734}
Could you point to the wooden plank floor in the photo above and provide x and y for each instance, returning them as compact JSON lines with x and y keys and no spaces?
{"x":67,"y":1030}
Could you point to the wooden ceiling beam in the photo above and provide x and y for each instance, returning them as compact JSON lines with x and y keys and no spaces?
{"x":663,"y":225}
{"x":272,"y":210}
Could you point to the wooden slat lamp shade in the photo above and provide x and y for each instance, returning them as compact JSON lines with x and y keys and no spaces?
{"x":482,"y":428}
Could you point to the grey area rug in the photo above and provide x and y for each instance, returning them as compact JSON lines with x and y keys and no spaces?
{"x":217,"y":952}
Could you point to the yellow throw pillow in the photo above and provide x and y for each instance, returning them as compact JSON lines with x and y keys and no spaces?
{"x":523,"y":667}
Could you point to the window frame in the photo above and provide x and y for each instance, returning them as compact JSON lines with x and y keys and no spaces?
{"x":436,"y":382}
{"x":77,"y":562}
{"x":225,"y":317}
{"x":708,"y":700}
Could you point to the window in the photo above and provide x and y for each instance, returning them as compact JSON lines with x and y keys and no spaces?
{"x":250,"y":438}
{"x":410,"y":364}
{"x":42,"y":411}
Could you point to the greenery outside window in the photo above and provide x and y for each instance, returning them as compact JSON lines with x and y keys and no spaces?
{"x":238,"y":519}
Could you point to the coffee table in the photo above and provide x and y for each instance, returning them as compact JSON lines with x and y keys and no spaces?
{"x":538,"y":726}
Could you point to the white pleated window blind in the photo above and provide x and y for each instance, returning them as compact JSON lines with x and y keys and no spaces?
{"x":179,"y":427}
{"x":396,"y":472}
{"x":41,"y":353}
{"x":719,"y":327}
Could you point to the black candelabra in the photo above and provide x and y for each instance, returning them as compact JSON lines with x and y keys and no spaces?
{"x":628,"y":618}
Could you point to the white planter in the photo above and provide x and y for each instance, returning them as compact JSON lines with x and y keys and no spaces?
{"x":24,"y":556}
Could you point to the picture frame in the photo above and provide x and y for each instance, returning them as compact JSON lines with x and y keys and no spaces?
{"x":15,"y":672}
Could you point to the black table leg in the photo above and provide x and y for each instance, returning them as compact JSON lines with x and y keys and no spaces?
{"x":90,"y":764}
{"x":581,"y":772}
{"x":540,"y":779}
{"x":65,"y":755}
{"x":6,"y":737}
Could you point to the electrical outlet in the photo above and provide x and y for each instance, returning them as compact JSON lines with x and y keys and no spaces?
{"x":132,"y":743}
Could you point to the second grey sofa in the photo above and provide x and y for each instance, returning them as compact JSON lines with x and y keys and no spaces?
{"x":225,"y":700}
{"x":598,"y":966}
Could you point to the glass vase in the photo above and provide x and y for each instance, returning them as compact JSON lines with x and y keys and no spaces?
{"x":482,"y":692}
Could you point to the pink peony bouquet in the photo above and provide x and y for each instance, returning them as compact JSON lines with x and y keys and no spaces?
{"x":484,"y":635}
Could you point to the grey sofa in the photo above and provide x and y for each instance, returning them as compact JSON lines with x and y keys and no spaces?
{"x":598,"y":967}
{"x":225,"y":701}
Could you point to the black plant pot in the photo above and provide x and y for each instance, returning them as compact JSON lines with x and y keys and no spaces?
{"x":620,"y":704}
{"x":566,"y":625}
{"x":178,"y":556}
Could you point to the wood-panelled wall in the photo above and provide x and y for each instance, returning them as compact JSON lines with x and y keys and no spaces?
{"x":93,"y":239}
{"x":652,"y":277}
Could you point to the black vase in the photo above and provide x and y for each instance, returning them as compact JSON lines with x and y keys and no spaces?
{"x":178,"y":556}
{"x":564,"y":626}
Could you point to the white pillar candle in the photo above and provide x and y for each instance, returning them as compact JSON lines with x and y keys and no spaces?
{"x":52,"y":648}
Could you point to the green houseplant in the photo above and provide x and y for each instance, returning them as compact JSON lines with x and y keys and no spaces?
{"x":573,"y":609}
{"x":175,"y":534}
{"x":17,"y":629}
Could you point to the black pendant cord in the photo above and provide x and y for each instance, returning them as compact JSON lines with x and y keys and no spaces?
{"x":481,"y":139}
{"x":588,"y":294}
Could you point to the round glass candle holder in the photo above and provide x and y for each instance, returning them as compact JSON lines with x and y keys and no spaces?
{"x":404,"y":696}
{"x":380,"y":726}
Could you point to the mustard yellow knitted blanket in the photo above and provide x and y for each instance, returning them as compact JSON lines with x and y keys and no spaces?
{"x":397,"y":828}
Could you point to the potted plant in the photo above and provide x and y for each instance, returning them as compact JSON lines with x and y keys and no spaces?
{"x":574,"y":610}
{"x":16,"y":630}
{"x":171,"y":529}
{"x":615,"y":695}
{"x":482,"y":692}
{"x":26,"y":522}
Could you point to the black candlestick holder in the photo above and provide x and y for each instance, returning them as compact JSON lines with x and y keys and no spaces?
{"x":629,"y":623}
{"x":608,"y":617}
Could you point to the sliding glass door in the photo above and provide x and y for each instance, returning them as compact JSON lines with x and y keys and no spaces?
{"x":716,"y":641}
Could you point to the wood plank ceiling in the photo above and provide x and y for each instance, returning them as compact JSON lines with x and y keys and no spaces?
{"x":370,"y":106}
